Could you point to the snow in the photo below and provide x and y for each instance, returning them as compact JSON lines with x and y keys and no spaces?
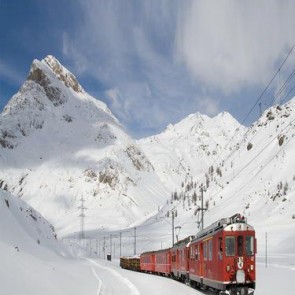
{"x":57,"y":149}
{"x":50,"y":267}
{"x":50,"y":143}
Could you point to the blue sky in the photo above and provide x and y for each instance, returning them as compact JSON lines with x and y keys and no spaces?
{"x":154,"y":62}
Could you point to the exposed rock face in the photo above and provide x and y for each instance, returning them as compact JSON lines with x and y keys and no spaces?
{"x":38,"y":75}
{"x":62,"y":74}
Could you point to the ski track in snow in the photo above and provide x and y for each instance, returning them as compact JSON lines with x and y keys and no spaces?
{"x":99,"y":281}
{"x":124,"y":280}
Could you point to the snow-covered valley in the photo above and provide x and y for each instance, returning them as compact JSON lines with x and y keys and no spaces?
{"x":64,"y":155}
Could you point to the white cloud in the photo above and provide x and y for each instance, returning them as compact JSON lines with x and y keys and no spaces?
{"x":208,"y":106}
{"x":232,"y":44}
{"x":157,"y":57}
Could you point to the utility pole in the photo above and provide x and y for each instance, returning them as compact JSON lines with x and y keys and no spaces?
{"x":135,"y":241}
{"x":82,"y":216}
{"x":104,"y":248}
{"x":260,"y":108}
{"x":172,"y":227}
{"x":202,"y":209}
{"x":266,"y":250}
{"x":120,"y":244}
{"x":111,"y":244}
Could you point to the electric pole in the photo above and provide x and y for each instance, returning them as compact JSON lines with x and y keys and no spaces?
{"x":111,"y":244}
{"x":172,"y":227}
{"x":120,"y":243}
{"x":104,"y":248}
{"x":202,"y":209}
{"x":82,"y":216}
{"x":135,"y":241}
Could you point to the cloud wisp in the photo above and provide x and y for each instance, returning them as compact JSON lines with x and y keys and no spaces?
{"x":158,"y":61}
{"x":230,"y":44}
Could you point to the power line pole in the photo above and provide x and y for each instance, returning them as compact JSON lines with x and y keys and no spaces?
{"x":135,"y":241}
{"x":172,"y":227}
{"x":266,"y":250}
{"x":111,"y":245}
{"x":202,"y":209}
{"x":120,"y":244}
{"x":104,"y":248}
{"x":82,"y":216}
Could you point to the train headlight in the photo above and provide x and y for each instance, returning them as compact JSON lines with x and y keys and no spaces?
{"x":240,"y":276}
{"x":228,"y":268}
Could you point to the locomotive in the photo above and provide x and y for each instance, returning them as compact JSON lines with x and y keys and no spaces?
{"x":220,"y":257}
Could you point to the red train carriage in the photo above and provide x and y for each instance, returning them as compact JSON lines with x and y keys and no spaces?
{"x":179,"y":259}
{"x":222,"y":256}
{"x":163,"y":262}
{"x":147,"y":262}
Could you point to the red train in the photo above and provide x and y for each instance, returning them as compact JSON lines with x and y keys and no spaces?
{"x":222,"y":257}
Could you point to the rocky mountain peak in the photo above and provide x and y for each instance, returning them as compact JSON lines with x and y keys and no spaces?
{"x":45,"y":74}
{"x":62,"y":73}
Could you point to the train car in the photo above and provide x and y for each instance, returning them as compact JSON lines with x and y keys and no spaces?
{"x":180,"y":259}
{"x":163,"y":262}
{"x":147,"y":262}
{"x":130,"y":262}
{"x":222,"y":256}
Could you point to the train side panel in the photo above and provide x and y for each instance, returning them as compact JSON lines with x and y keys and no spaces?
{"x":163,"y":262}
{"x":147,"y":262}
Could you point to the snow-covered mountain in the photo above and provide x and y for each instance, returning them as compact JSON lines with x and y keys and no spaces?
{"x":61,"y":149}
{"x":59,"y":145}
{"x":189,"y":147}
{"x":253,"y":174}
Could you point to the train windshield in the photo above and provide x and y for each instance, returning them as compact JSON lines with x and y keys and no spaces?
{"x":250,"y":245}
{"x":230,"y":246}
{"x":240,"y":245}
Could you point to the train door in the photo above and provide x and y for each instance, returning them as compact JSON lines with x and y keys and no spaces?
{"x":201,"y":259}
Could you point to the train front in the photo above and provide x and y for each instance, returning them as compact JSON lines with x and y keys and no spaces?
{"x":239,"y":257}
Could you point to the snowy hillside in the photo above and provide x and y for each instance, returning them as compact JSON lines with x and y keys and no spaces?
{"x":59,"y":145}
{"x":32,"y":260}
{"x":255,"y":176}
{"x":189,"y":147}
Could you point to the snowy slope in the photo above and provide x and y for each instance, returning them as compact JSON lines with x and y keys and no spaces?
{"x":259,"y":180}
{"x":59,"y":145}
{"x":32,"y":260}
{"x":189,"y":147}
{"x":254,"y":176}
{"x":29,"y":267}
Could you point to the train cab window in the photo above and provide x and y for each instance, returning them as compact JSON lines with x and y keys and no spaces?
{"x":230,"y":246}
{"x":220,"y":248}
{"x":240,"y":245}
{"x":197,"y":252}
{"x":205,"y":250}
{"x":173,"y":257}
{"x":249,"y":245}
{"x":210,"y":250}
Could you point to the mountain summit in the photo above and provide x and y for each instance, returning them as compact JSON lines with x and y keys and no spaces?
{"x":59,"y":146}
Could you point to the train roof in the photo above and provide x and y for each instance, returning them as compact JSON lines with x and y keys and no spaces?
{"x":183,"y":242}
{"x":224,"y":223}
{"x":155,"y":251}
